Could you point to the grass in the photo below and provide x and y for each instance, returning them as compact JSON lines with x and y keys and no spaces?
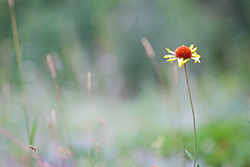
{"x":143,"y":130}
{"x":132,"y":127}
{"x":20,"y":67}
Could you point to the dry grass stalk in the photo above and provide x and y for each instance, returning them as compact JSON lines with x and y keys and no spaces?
{"x":151,"y":54}
{"x":51,"y":66}
{"x":96,"y":153}
{"x":59,"y":101}
{"x":54,"y":76}
{"x":53,"y":116}
{"x":89,"y":87}
{"x":12,"y":138}
{"x":148,"y":47}
{"x":63,"y":153}
{"x":51,"y":121}
{"x":89,"y":83}
{"x":103,"y":123}
{"x":51,"y":128}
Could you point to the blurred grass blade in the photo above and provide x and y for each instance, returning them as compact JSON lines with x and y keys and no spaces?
{"x":33,"y":132}
{"x":18,"y":50}
{"x":198,"y":165}
{"x":190,"y":155}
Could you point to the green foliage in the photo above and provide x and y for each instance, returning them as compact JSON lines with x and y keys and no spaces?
{"x":225,"y":143}
{"x":33,"y":132}
{"x":219,"y":143}
{"x":190,"y":155}
{"x":222,"y":143}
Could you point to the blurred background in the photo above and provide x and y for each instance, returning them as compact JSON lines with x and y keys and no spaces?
{"x":136,"y":114}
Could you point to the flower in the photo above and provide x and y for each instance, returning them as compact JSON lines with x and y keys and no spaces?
{"x":183,"y":54}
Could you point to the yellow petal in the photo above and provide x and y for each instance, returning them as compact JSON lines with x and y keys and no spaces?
{"x":191,"y":47}
{"x":170,"y":51}
{"x":180,"y":62}
{"x":196,"y":55}
{"x":184,"y":61}
{"x":196,"y":59}
{"x":168,"y":56}
{"x":171,"y":59}
{"x":194,"y":50}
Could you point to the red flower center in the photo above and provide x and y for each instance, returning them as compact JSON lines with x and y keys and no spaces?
{"x":183,"y":52}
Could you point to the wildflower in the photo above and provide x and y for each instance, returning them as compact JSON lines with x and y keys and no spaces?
{"x":183,"y":54}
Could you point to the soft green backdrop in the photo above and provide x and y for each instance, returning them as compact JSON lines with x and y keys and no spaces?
{"x":104,"y":37}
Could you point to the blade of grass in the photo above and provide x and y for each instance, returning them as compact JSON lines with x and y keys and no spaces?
{"x":33,"y":132}
{"x":19,"y":62}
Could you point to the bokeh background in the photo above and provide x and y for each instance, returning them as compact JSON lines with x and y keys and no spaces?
{"x":136,"y":114}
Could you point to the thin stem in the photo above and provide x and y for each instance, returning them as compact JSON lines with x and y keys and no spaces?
{"x":192,"y":107}
{"x":89,"y":86}
{"x":17,"y":142}
{"x":36,"y":151}
{"x":41,"y":160}
{"x":19,"y":62}
{"x":60,"y":103}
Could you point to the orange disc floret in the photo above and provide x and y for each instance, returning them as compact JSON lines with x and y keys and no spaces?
{"x":183,"y":52}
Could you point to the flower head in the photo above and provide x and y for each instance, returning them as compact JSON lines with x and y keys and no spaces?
{"x":182,"y":54}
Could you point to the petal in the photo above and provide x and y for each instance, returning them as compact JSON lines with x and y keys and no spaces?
{"x":194,"y":50}
{"x":168,"y":56}
{"x":169,"y":51}
{"x":196,"y":55}
{"x":191,"y":47}
{"x":180,"y":62}
{"x":183,"y":62}
{"x":171,"y":59}
{"x":196,"y":59}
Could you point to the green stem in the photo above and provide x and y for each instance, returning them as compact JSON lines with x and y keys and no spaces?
{"x":19,"y":62}
{"x":192,"y":107}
